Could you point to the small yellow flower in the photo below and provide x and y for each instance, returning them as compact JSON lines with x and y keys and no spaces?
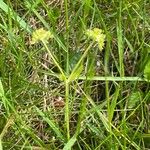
{"x":98,"y":36}
{"x":41,"y":35}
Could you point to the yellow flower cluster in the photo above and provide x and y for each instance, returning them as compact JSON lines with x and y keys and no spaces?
{"x":98,"y":36}
{"x":41,"y":35}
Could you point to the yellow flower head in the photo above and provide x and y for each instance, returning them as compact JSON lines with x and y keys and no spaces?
{"x":41,"y":35}
{"x":98,"y":36}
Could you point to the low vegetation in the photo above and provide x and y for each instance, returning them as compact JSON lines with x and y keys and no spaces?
{"x":74,"y":75}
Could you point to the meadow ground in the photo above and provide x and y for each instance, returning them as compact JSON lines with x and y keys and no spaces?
{"x":74,"y":74}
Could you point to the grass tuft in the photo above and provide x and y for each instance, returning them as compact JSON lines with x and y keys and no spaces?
{"x":85,"y":88}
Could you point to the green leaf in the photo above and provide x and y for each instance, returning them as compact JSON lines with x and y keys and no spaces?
{"x":51,"y":123}
{"x":61,"y":77}
{"x":70,"y":143}
{"x":134,"y":99}
{"x":15,"y":16}
{"x":1,"y":147}
{"x":147,"y":71}
{"x":1,"y":89}
{"x":76,"y":73}
{"x":74,"y":58}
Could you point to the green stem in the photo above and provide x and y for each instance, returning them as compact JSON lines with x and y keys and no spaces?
{"x":67,"y":91}
{"x":67,"y":109}
{"x":120,"y":40}
{"x":67,"y":71}
{"x":54,"y":60}
{"x":79,"y":62}
{"x":67,"y":35}
{"x":97,"y":78}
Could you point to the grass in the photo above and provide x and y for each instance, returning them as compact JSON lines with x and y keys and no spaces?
{"x":67,"y":93}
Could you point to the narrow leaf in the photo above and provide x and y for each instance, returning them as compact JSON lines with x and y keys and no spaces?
{"x":51,"y":124}
{"x":7,"y":10}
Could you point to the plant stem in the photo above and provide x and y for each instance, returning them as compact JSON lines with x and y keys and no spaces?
{"x":98,"y":78}
{"x":67,"y":109}
{"x":78,"y":63}
{"x":67,"y":36}
{"x":54,"y":60}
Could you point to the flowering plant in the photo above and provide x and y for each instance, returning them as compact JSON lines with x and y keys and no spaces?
{"x":98,"y":36}
{"x":41,"y":35}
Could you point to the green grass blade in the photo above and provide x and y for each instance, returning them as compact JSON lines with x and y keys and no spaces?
{"x":1,"y":146}
{"x":14,"y":15}
{"x":120,"y":40}
{"x":73,"y":73}
{"x":70,"y":143}
{"x":51,"y":123}
{"x":98,"y":78}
